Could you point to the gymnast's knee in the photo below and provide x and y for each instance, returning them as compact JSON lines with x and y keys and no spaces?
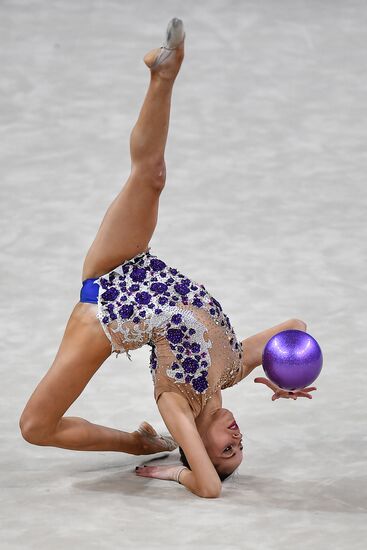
{"x":33,"y":430}
{"x":150,"y":172}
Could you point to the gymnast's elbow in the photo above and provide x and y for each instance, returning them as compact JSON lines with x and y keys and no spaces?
{"x":210,"y":492}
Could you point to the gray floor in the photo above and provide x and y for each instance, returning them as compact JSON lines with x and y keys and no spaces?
{"x":265,"y":204}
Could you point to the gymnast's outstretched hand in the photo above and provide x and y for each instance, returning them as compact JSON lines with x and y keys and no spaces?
{"x":159,"y":472}
{"x":279,"y":392}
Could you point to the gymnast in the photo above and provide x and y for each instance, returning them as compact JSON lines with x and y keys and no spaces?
{"x":130,"y":297}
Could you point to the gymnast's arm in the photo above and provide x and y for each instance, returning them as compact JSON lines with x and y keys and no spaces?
{"x":253,"y":346}
{"x":202,"y":479}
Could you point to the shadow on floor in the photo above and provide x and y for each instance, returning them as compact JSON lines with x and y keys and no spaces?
{"x":344,"y":495}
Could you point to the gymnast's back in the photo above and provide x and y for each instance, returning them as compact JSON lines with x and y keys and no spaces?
{"x":194,"y":349}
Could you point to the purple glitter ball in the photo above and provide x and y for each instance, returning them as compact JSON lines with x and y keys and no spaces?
{"x":292,"y":359}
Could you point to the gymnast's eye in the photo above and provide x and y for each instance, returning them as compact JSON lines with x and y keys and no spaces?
{"x":228,"y":449}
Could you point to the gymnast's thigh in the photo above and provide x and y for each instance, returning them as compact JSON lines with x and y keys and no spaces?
{"x":126,"y":228}
{"x":83,"y":349}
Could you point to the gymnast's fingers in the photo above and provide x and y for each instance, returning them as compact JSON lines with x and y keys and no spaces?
{"x":147,"y":471}
{"x":303,"y":394}
{"x":266,"y":382}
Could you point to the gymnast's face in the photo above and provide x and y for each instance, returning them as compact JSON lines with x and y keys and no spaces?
{"x":223,"y":441}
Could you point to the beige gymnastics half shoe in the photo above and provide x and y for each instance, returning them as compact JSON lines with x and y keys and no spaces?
{"x":175,"y":36}
{"x":166,"y":441}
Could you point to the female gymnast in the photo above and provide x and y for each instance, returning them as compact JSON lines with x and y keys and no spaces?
{"x":129,"y":298}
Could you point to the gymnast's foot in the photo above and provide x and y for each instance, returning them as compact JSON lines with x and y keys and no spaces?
{"x":150,"y":442}
{"x":166,"y":61}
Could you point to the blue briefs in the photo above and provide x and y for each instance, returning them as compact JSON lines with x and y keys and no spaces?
{"x":89,"y":291}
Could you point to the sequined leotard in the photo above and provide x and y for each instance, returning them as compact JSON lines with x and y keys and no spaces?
{"x":194,"y":348}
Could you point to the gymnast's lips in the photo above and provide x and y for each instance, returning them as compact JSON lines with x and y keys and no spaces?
{"x":233,"y":426}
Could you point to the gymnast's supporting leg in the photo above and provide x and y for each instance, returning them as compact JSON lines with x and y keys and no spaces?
{"x":84,"y":346}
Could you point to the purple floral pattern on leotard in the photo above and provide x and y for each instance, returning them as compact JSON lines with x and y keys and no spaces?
{"x":146,"y":289}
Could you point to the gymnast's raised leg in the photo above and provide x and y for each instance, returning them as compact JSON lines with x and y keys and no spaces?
{"x":125,"y":231}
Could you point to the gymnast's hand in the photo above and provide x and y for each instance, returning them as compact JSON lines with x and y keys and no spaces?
{"x":159,"y":472}
{"x":279,"y":392}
